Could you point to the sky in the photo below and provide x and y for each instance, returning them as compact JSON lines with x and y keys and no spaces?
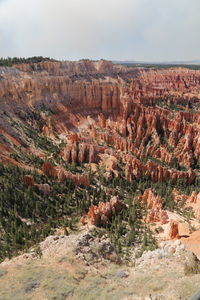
{"x":147,"y":30}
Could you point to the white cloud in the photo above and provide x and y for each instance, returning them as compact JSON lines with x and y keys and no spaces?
{"x":113,"y":29}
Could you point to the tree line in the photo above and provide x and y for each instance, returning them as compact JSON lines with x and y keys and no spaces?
{"x":9,"y":61}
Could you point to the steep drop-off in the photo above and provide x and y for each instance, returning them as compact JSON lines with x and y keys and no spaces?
{"x":106,"y":130}
{"x":152,"y":116}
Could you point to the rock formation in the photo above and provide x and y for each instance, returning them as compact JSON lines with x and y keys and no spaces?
{"x":190,"y":201}
{"x":132,"y":111}
{"x":155,"y":213}
{"x":126,"y":121}
{"x":29,"y":180}
{"x":61,"y":174}
{"x":173,"y":230}
{"x":103,"y":212}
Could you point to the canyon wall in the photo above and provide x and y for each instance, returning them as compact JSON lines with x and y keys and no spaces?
{"x":150,"y":116}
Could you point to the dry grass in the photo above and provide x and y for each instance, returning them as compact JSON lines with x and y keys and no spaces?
{"x":64,"y":277}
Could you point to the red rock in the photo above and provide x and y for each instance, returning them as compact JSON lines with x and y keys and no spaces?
{"x":49,"y":169}
{"x":126,"y":117}
{"x":102,"y":120}
{"x":151,"y":200}
{"x":173,"y":230}
{"x":29,"y":180}
{"x":94,"y":215}
{"x":74,"y":154}
{"x":73,"y":138}
{"x":191,"y":201}
{"x":60,"y":173}
{"x":83,"y":220}
{"x":82,"y":153}
{"x":91,"y":154}
{"x":155,"y":213}
{"x":100,"y":214}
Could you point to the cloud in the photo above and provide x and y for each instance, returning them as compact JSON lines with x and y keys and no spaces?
{"x":112,"y":29}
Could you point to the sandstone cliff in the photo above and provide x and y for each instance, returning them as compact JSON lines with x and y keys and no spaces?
{"x":151,"y":116}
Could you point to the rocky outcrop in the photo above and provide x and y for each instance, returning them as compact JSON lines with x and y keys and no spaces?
{"x":173,"y":230}
{"x":155,"y":213}
{"x":191,"y":201}
{"x":29,"y":180}
{"x":81,"y":153}
{"x":61,"y":174}
{"x":81,"y":67}
{"x":99,"y":215}
{"x":134,"y":167}
{"x":49,"y":169}
{"x":194,"y":198}
{"x":175,"y":227}
{"x":108,"y":163}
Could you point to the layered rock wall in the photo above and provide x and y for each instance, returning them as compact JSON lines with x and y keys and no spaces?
{"x":150,"y":116}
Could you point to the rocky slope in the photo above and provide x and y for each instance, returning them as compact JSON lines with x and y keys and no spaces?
{"x":86,"y":266}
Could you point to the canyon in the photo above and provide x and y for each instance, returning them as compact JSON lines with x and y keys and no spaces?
{"x":97,"y":144}
{"x":100,"y":107}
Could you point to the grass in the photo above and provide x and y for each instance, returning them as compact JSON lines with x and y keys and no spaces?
{"x":60,"y":279}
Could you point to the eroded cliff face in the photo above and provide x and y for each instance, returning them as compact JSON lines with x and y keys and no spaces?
{"x":111,"y":146}
{"x":149,"y":119}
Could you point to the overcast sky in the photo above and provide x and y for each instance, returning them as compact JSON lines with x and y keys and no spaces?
{"x":149,"y":30}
